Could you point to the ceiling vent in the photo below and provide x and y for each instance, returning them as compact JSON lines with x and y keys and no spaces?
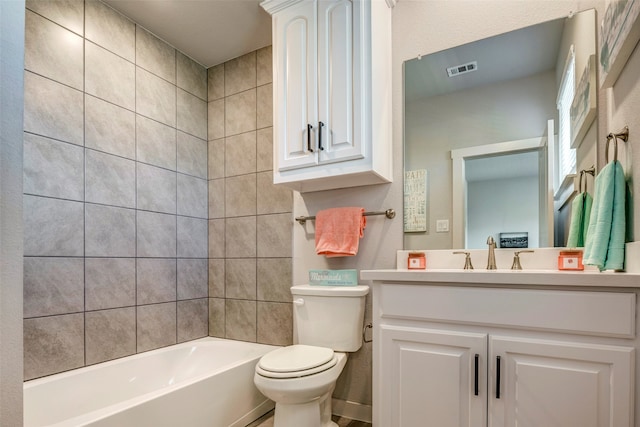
{"x":462,"y":69}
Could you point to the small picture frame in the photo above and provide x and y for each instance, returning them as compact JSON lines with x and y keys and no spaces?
{"x":583,"y":107}
{"x":514,"y":240}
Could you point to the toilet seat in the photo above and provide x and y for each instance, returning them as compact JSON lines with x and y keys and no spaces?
{"x":296,"y":361}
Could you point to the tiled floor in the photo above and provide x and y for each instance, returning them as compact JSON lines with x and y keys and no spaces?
{"x":267,"y":421}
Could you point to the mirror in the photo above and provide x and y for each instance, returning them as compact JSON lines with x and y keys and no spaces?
{"x":486,"y":136}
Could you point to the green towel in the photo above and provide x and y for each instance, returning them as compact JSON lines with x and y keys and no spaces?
{"x":604,"y":246}
{"x":580,"y":215}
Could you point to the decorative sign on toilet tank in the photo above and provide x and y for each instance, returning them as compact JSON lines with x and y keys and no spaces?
{"x":333,"y":277}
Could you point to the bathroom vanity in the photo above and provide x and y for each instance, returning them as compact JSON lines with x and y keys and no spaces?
{"x":503,"y":348}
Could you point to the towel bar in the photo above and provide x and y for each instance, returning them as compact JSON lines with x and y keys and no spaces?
{"x":389,"y":213}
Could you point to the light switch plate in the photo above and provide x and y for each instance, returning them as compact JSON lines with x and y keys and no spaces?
{"x":442,"y":226}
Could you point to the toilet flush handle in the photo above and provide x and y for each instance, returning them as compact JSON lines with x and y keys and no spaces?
{"x":298,"y":301}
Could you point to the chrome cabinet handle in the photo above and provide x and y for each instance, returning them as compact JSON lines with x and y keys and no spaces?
{"x":309,"y":129}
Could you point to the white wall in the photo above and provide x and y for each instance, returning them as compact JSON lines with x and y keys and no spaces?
{"x":11,"y":105}
{"x":502,"y":205}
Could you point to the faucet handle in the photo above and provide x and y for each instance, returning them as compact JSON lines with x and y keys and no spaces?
{"x":516,"y":259}
{"x":467,"y":259}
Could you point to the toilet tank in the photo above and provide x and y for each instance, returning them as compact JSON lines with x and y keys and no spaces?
{"x":329,"y":316}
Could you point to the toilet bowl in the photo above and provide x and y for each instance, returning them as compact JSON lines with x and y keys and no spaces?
{"x":302,"y":394}
{"x":300,"y":378}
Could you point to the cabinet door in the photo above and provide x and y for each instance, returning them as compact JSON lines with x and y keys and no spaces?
{"x":339,"y":57}
{"x":295,"y":85}
{"x":560,"y":384}
{"x":428,"y":378}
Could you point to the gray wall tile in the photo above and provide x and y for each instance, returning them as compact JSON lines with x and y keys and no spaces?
{"x":156,"y":189}
{"x":240,"y":320}
{"x":192,"y":155}
{"x":156,"y":280}
{"x":193,"y":321}
{"x":53,"y":227}
{"x":191,"y":76}
{"x":53,"y":110}
{"x":110,"y":283}
{"x":240,"y":195}
{"x":110,"y":231}
{"x":240,"y":113}
{"x":217,"y":317}
{"x":110,"y":180}
{"x":216,"y":198}
{"x":240,"y":154}
{"x":240,"y":237}
{"x":68,"y":13}
{"x":156,"y":326}
{"x":53,"y":344}
{"x":192,"y":196}
{"x":53,"y":168}
{"x":217,"y":238}
{"x":109,"y":29}
{"x":275,"y":235}
{"x":156,"y":235}
{"x":264,"y":61}
{"x":53,"y":51}
{"x":192,"y":114}
{"x":240,"y":74}
{"x":192,"y":238}
{"x":109,"y":77}
{"x":156,"y":143}
{"x":53,"y":286}
{"x":155,"y":97}
{"x":274,"y":279}
{"x":192,"y":278}
{"x":215,"y":119}
{"x":216,"y":158}
{"x":265,"y":106}
{"x":240,"y":280}
{"x":216,"y":278}
{"x":264,"y":149}
{"x":110,"y":334}
{"x":215,"y":85}
{"x":272,"y":198}
{"x":109,"y":128}
{"x":275,"y":323}
{"x":155,"y":55}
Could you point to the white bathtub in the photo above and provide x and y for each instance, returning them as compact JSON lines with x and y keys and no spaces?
{"x":207,"y":382}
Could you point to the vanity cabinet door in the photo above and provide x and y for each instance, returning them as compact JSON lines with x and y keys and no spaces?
{"x":432,"y":378}
{"x":559,"y":384}
{"x":295,"y":85}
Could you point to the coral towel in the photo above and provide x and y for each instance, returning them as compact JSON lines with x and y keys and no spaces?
{"x":338,"y":231}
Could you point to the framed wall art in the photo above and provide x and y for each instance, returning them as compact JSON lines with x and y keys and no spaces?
{"x":618,"y":37}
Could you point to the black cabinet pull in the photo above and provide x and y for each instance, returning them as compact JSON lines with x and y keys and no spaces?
{"x":475,"y":376}
{"x":320,"y":126}
{"x":309,"y":129}
{"x":498,"y":377}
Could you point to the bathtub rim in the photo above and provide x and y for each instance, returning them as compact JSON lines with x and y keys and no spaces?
{"x":106,"y":411}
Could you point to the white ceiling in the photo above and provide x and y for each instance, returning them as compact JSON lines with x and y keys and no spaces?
{"x":209,"y":31}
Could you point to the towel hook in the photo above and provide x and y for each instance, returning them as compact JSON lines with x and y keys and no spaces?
{"x":623,"y":135}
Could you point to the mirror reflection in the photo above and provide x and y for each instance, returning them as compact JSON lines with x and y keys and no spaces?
{"x":490,"y":124}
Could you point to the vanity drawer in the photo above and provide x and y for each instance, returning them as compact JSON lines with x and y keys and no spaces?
{"x":610,"y":314}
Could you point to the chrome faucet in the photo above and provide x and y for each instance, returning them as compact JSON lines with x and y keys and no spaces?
{"x":491,"y":261}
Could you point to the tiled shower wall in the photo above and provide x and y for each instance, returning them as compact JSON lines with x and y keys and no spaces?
{"x":115,"y":183}
{"x":250,"y":219}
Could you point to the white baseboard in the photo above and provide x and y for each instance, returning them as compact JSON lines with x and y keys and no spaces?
{"x":352,"y":410}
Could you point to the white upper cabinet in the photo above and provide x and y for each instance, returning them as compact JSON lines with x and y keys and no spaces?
{"x":332,"y":79}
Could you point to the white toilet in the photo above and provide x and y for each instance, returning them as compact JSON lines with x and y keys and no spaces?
{"x":300,"y":378}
